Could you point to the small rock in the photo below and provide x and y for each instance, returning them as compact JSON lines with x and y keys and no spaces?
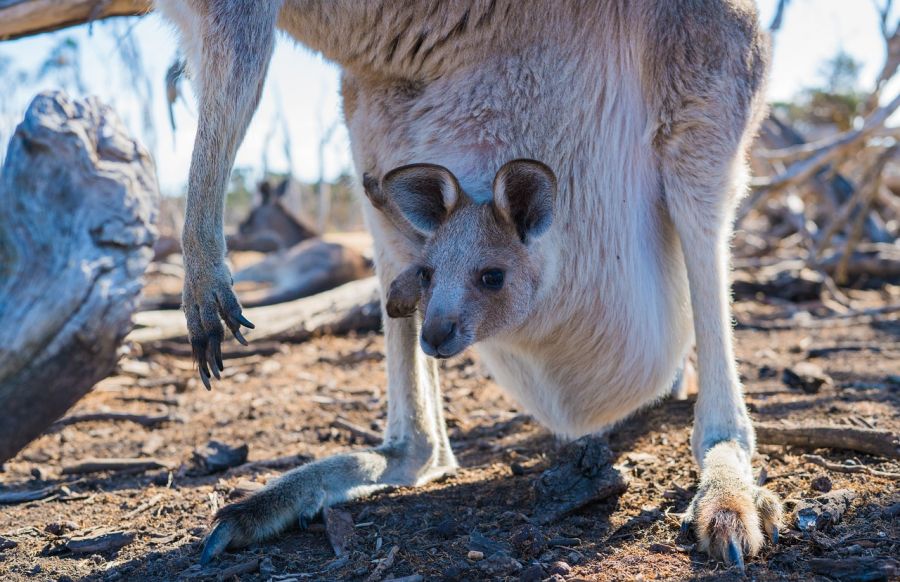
{"x":807,"y":377}
{"x":455,"y":573}
{"x":660,"y":548}
{"x":500,"y":564}
{"x":533,"y":573}
{"x":637,"y":458}
{"x":266,"y":567}
{"x":269,"y":367}
{"x":528,"y":541}
{"x":58,"y":528}
{"x":136,"y":368}
{"x":489,"y":547}
{"x":517,"y":468}
{"x":766,"y":372}
{"x":475,"y":555}
{"x":891,"y":511}
{"x":822,"y":484}
{"x":560,"y":567}
{"x":39,"y":473}
{"x":574,"y":557}
{"x":446,"y":528}
{"x":217,"y":456}
{"x":7,"y":544}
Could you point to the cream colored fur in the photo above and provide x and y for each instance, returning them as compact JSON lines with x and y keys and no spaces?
{"x":642,"y":108}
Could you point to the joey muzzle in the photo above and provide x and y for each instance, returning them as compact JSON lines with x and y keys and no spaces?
{"x":439,"y":336}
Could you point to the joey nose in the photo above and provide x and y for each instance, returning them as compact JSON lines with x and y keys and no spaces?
{"x":436,"y":332}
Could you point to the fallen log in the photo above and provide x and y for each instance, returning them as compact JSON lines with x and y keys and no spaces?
{"x":79,"y":198}
{"x":882,"y":443}
{"x":20,"y":18}
{"x":141,"y":419}
{"x":100,"y":465}
{"x":308,"y":268}
{"x":350,"y":307}
{"x":856,"y":569}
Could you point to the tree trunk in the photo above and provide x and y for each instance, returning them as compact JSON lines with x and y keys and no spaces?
{"x":79,"y":197}
{"x":20,"y":18}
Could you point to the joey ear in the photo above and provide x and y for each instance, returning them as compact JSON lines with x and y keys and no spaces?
{"x":424,"y":193}
{"x":282,"y":188}
{"x":265,"y":191}
{"x":524,"y":194}
{"x":404,"y":294}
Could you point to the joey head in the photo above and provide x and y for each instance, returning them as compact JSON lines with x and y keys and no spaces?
{"x":478,"y":271}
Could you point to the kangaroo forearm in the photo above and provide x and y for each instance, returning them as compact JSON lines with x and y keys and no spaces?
{"x":213,"y":156}
{"x":230,"y":83}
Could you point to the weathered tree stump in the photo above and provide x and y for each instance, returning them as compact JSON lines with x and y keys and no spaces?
{"x":79,"y":199}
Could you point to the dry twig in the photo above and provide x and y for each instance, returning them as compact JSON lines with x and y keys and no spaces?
{"x":841,"y":468}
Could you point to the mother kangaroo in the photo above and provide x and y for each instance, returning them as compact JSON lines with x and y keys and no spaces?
{"x":643,"y":109}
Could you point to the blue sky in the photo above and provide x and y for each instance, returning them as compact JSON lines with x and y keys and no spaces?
{"x":304,"y":87}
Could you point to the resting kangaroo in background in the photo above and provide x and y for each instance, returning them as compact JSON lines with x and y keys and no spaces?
{"x":643,"y":109}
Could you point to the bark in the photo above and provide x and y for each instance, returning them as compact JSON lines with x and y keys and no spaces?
{"x":79,"y":198}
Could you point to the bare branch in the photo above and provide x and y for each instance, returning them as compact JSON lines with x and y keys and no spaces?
{"x":778,"y":19}
{"x":19,"y":18}
{"x":826,"y":152}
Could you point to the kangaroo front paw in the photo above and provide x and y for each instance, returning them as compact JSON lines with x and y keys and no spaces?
{"x":260,"y":516}
{"x":730,"y":514}
{"x":208,"y":299}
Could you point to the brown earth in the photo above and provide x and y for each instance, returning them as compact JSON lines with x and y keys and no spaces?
{"x":285,"y":404}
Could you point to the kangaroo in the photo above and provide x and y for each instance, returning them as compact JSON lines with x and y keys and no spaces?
{"x":643,"y":109}
{"x":269,"y":226}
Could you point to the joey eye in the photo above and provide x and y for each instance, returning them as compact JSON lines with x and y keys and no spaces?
{"x":492,"y":279}
{"x":424,"y":276}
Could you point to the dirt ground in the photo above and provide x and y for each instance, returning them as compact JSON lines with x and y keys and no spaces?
{"x":284,"y":406}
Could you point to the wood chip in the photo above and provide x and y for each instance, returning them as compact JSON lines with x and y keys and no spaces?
{"x":144,"y":506}
{"x":247,"y":567}
{"x":22,"y":496}
{"x":103,"y":542}
{"x":339,"y":529}
{"x":384,"y":565}
{"x":583,"y":474}
{"x":823,"y":512}
{"x":807,"y":377}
